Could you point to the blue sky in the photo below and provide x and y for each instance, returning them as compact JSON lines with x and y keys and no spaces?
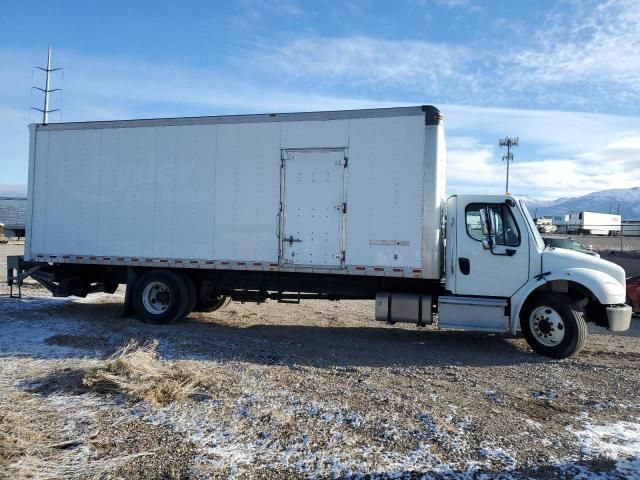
{"x":564,"y":76}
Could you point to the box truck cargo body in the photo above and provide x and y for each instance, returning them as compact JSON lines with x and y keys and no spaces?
{"x":339,"y":205}
{"x":294,"y":192}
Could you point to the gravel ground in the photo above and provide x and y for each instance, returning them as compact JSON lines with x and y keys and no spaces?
{"x":317,"y":390}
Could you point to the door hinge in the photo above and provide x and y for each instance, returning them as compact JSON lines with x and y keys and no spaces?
{"x":344,"y":207}
{"x":346,"y":162}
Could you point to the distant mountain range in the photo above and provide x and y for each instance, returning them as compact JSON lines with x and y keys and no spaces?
{"x":626,"y":202}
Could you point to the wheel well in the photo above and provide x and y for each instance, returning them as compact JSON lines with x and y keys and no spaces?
{"x":579,"y":295}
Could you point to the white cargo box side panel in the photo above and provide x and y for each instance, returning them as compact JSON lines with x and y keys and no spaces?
{"x":183,"y":207}
{"x":195,"y":202}
{"x":67,"y":175}
{"x":385,"y":192}
{"x":247,"y":187}
{"x":124,"y":192}
{"x":315,"y":134}
{"x":37,"y":200}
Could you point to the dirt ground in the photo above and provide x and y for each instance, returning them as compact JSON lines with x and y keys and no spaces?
{"x":317,"y":390}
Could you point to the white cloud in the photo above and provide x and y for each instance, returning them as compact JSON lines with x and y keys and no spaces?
{"x":452,"y":3}
{"x":593,"y":44}
{"x":560,"y":154}
{"x":254,"y":11}
{"x":585,"y":55}
{"x":360,"y":60}
{"x":548,"y":130}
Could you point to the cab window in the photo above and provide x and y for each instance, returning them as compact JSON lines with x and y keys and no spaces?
{"x":504,"y":224}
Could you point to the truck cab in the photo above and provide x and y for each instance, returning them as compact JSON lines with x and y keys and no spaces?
{"x":494,"y":253}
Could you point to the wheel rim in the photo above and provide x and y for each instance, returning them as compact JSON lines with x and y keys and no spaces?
{"x":547,"y":326}
{"x":156,"y":297}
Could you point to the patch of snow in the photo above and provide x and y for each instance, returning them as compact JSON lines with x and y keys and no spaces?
{"x":500,"y":456}
{"x":10,"y":305}
{"x":494,"y":396}
{"x":27,"y":337}
{"x":533,"y":423}
{"x":548,"y":395}
{"x":613,"y":440}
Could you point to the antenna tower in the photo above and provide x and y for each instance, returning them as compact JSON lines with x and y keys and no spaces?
{"x":47,"y":90}
{"x":508,"y":142}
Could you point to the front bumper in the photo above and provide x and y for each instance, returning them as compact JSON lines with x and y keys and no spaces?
{"x":619,"y":317}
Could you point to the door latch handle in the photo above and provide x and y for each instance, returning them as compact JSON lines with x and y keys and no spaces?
{"x":465,"y":265}
{"x":291,"y":240}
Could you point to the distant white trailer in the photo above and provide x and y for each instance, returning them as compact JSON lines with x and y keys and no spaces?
{"x":592,"y":223}
{"x":631,"y":229}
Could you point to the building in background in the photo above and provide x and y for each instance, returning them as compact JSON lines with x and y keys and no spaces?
{"x":12,"y":215}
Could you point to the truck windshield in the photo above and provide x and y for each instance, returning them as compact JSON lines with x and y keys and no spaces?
{"x":532,"y":226}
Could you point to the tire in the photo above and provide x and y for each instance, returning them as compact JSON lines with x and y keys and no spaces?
{"x":208,"y":299}
{"x":212,"y":305}
{"x":161,"y":297}
{"x":193,"y":294}
{"x":553,"y":326}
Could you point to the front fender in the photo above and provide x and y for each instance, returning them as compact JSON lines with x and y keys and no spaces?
{"x":603,"y":286}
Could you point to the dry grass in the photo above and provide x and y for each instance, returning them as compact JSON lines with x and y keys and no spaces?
{"x":137,"y":372}
{"x":35,"y":444}
{"x":19,"y":438}
{"x":39,"y":468}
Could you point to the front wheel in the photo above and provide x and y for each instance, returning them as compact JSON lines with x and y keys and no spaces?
{"x":553,"y":326}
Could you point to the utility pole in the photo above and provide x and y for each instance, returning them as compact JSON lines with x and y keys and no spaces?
{"x":47,"y":90}
{"x":508,"y":142}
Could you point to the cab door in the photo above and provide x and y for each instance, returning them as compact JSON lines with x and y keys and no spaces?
{"x":497,"y":272}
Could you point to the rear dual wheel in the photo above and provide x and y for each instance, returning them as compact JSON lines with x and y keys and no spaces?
{"x":209,"y":298}
{"x":162,"y":296}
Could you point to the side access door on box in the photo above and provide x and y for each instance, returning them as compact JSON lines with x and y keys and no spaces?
{"x":313,"y":207}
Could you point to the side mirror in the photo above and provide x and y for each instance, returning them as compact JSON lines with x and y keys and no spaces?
{"x":488,"y":237}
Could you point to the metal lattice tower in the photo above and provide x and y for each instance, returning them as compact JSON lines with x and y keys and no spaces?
{"x":47,"y":90}
{"x":508,"y":142}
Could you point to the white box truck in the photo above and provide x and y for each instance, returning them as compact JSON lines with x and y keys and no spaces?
{"x":592,"y":223}
{"x":336,"y":205}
